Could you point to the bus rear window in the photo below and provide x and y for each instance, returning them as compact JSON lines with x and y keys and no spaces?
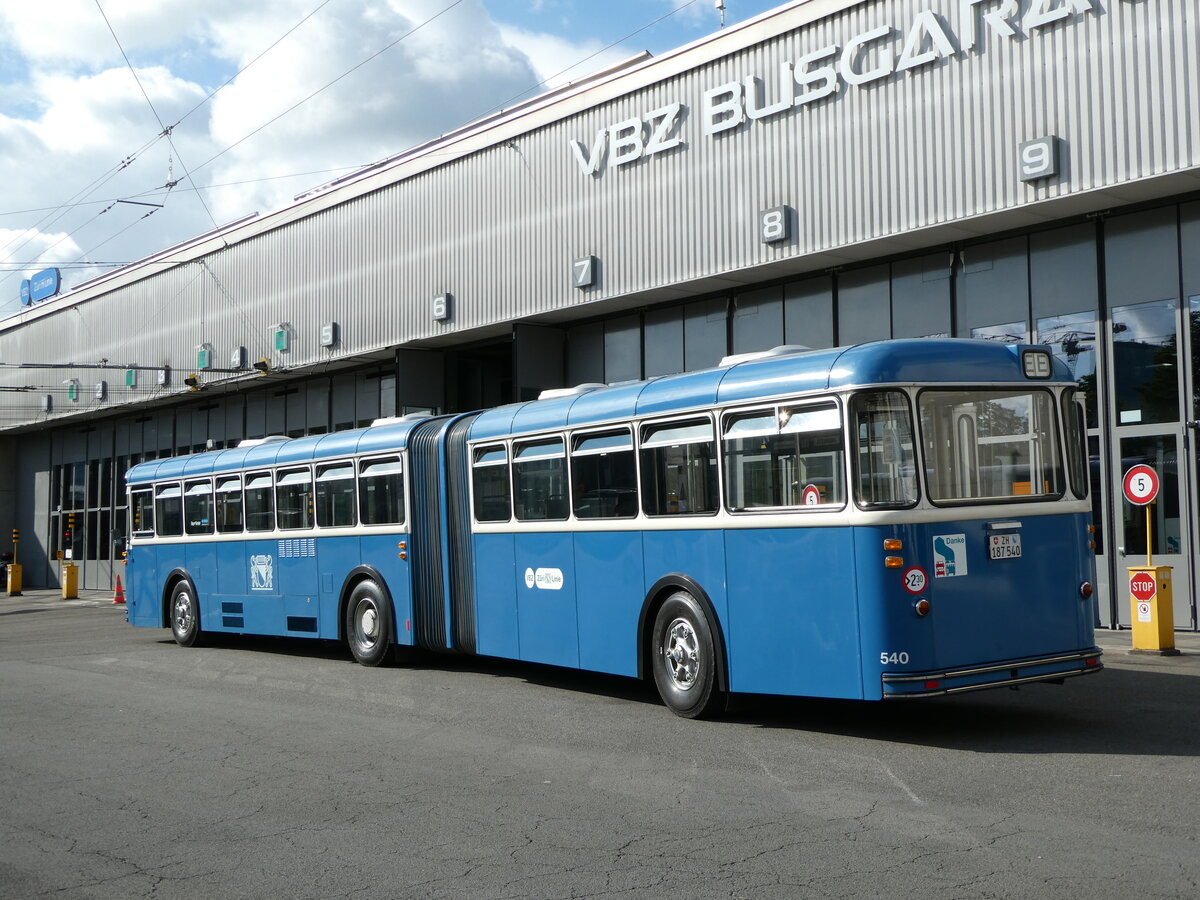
{"x":381,"y":491}
{"x":988,"y":446}
{"x":885,"y":463}
{"x":168,"y":510}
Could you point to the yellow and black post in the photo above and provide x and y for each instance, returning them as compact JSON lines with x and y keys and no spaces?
{"x":70,"y":571}
{"x":14,"y":567}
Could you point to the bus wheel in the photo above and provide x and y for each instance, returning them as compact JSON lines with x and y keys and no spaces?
{"x":368,"y":623}
{"x":185,"y":616}
{"x":684,"y":662}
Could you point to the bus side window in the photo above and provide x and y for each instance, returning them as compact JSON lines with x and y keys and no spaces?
{"x":335,"y":495}
{"x":293,"y":498}
{"x":679,"y":469}
{"x":885,"y":463}
{"x":141,"y":506}
{"x":198,"y":507}
{"x":784,"y":457}
{"x":381,"y":491}
{"x":604,"y":476}
{"x":489,"y":477}
{"x":229,"y":504}
{"x":260,"y":502}
{"x":540,"y":480}
{"x":168,"y":510}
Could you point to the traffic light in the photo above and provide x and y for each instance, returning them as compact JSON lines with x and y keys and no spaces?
{"x":193,"y":382}
{"x":263,"y":365}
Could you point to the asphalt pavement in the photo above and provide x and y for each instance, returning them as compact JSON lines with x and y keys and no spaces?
{"x":262,"y":768}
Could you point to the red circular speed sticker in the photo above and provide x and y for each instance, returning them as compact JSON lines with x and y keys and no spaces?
{"x":915,"y":579}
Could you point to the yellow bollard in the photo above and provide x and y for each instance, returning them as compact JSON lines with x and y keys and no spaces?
{"x":14,"y":580}
{"x":70,"y":581}
{"x":1151,"y":610}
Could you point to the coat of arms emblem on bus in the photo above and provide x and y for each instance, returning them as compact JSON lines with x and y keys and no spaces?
{"x":262,"y":572}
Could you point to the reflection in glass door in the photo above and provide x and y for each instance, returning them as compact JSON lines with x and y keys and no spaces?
{"x":1072,"y":339}
{"x":1146,"y":392}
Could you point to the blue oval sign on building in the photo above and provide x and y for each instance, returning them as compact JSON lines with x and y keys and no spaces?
{"x":44,"y":284}
{"x":26,"y":297}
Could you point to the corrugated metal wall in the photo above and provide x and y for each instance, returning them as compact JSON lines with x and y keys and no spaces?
{"x":499,"y":228}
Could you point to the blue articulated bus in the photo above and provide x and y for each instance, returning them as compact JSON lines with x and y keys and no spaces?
{"x":897,"y":519}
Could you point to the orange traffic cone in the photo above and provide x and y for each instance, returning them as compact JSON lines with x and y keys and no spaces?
{"x":119,"y":596}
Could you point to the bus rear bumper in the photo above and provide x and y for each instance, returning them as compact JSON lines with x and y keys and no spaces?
{"x":907,"y":685}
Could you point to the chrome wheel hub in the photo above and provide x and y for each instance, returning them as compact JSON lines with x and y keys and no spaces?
{"x":681,"y":651}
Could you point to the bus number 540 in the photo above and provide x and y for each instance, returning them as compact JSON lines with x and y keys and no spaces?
{"x":900,"y":658}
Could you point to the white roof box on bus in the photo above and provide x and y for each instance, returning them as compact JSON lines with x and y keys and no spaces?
{"x":556,"y":393}
{"x":781,"y":350}
{"x":269,"y":439}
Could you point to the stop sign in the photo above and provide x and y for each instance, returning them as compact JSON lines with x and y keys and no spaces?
{"x":1142,"y":586}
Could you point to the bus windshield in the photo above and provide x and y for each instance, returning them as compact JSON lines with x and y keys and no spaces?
{"x":988,"y":446}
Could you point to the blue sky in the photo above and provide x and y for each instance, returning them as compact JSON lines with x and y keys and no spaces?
{"x":79,"y":132}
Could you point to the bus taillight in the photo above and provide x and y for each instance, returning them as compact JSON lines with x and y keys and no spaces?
{"x":1085,"y":590}
{"x":922,"y":607}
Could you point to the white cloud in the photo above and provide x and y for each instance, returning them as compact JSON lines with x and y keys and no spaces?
{"x":71,"y":111}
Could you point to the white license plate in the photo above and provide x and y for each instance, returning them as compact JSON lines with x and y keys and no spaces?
{"x":1004,"y":546}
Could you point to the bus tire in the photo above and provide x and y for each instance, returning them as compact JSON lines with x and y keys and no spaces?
{"x":368,"y":623}
{"x":684,"y":657}
{"x":185,"y":615}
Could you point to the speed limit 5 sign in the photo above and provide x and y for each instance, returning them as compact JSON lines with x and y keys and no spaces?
{"x":1141,"y":485}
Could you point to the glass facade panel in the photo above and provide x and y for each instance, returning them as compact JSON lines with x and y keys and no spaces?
{"x":864,"y":303}
{"x":921,"y":296}
{"x":663,"y":339}
{"x":623,"y":349}
{"x":758,"y":320}
{"x":992,"y":290}
{"x":1072,"y":338}
{"x":1160,"y":453}
{"x":1145,"y":367}
{"x":808,"y":312}
{"x":704,"y":333}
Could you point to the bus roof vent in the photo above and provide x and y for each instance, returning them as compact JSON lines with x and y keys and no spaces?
{"x":781,"y":350}
{"x":556,"y":393}
{"x":407,"y":417}
{"x":269,"y":439}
